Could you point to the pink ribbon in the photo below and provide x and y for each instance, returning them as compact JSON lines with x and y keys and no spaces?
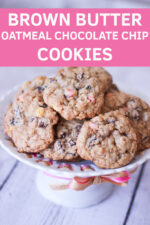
{"x":80,"y":183}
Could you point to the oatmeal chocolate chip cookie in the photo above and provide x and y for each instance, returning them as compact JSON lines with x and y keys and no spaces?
{"x":64,"y":147}
{"x":29,"y":121}
{"x":77,"y":92}
{"x":32,"y":89}
{"x":108,"y":140}
{"x":135,"y":109}
{"x":138,"y":112}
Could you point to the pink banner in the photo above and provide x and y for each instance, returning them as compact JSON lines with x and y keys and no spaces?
{"x":74,"y":37}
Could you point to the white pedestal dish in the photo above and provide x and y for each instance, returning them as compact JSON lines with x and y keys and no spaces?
{"x":71,"y":198}
{"x":88,"y":197}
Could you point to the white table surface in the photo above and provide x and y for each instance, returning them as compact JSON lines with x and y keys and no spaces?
{"x":20,"y":201}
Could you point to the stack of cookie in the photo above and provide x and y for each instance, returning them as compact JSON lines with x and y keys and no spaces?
{"x":78,"y":115}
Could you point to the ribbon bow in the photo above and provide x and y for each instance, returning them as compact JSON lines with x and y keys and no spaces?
{"x":79,"y":183}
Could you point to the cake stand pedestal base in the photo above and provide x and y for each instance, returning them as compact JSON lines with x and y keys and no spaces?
{"x":71,"y":198}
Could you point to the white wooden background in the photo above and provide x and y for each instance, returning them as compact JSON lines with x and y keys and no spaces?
{"x":20,"y":201}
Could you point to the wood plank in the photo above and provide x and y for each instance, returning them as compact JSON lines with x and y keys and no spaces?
{"x":140,"y":210}
{"x":134,"y":193}
{"x":21,"y":199}
{"x":6,"y":165}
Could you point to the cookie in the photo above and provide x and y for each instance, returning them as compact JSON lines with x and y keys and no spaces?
{"x":108,"y":140}
{"x":64,"y":148}
{"x":29,"y":121}
{"x":77,"y":92}
{"x":135,"y":109}
{"x":138,"y":112}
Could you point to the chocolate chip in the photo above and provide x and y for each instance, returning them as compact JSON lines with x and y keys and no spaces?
{"x":145,"y":139}
{"x":19,"y":119}
{"x":58,"y":143}
{"x":40,"y":88}
{"x":119,"y":156}
{"x":88,"y":87}
{"x":124,"y":134}
{"x":126,"y":114}
{"x":12,"y":122}
{"x":102,"y":136}
{"x":44,"y":105}
{"x":80,"y":76}
{"x":131,"y":101}
{"x":42,"y":125}
{"x":78,"y":128}
{"x":51,"y":79}
{"x":71,"y":143}
{"x":22,"y":91}
{"x":136,"y":117}
{"x":111,"y":120}
{"x":63,"y":135}
{"x":78,"y":88}
{"x":73,"y":154}
{"x":91,"y":140}
{"x":139,"y":109}
{"x":32,"y":119}
{"x":39,"y":155}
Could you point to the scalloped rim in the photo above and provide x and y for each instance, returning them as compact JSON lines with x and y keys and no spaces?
{"x":68,"y":173}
